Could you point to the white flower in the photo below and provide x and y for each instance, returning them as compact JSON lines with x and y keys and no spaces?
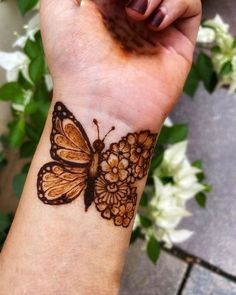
{"x":175,"y":182}
{"x":218,"y":24}
{"x":206,"y":35}
{"x":13,"y":63}
{"x":48,"y":82}
{"x":177,"y":166}
{"x":175,"y":236}
{"x":167,"y":213}
{"x":31,"y":29}
{"x":168,"y":122}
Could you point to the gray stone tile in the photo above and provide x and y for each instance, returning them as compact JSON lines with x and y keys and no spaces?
{"x":204,"y":282}
{"x":212,"y":120}
{"x":141,"y":277}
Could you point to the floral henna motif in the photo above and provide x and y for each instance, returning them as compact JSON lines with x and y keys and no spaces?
{"x":106,"y":179}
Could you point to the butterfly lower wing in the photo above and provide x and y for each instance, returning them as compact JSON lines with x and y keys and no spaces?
{"x":58,"y":184}
{"x":69,"y":141}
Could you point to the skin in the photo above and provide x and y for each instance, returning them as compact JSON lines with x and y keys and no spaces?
{"x":60,"y":250}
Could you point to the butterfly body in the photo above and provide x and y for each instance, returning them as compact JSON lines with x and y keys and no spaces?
{"x":106,"y":179}
{"x":98,"y":146}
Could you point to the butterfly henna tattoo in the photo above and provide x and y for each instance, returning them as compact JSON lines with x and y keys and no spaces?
{"x":105,"y":178}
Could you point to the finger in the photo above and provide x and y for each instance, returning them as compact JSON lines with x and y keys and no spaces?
{"x":141,"y":9}
{"x":185,"y":16}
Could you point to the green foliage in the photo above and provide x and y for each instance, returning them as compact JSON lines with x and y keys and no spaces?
{"x":5,"y":222}
{"x":226,"y":69}
{"x":153,"y":249}
{"x":201,"y":199}
{"x":12,"y":92}
{"x":135,"y":235}
{"x":203,"y":70}
{"x":18,"y":183}
{"x":36,"y":68}
{"x":192,"y":82}
{"x":17,"y":132}
{"x":173,"y":134}
{"x":26,"y":5}
{"x":146,"y":222}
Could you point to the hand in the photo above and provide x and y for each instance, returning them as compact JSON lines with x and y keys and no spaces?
{"x":132,"y":61}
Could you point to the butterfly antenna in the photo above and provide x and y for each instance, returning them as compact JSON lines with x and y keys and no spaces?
{"x":97,"y":125}
{"x":112,"y":129}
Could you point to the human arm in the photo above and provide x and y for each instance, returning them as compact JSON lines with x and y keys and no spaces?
{"x":131,"y":85}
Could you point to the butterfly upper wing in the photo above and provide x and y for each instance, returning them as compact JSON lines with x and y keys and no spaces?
{"x":69,"y":142}
{"x":58,"y":184}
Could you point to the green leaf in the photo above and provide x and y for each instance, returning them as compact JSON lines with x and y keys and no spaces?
{"x":234,"y":43}
{"x":167,"y":179}
{"x":144,"y":200}
{"x":32,"y":49}
{"x":201,"y":199}
{"x":174,"y":134}
{"x":208,"y":188}
{"x":23,"y":82}
{"x":13,"y":92}
{"x":192,"y":81}
{"x":4,"y":222}
{"x":17,"y":133}
{"x":3,"y":236}
{"x":18,"y":183}
{"x":153,"y":249}
{"x":28,"y":149}
{"x":206,"y":72}
{"x":200,"y":176}
{"x":135,"y":234}
{"x":157,"y":159}
{"x":215,"y":49}
{"x":25,"y":168}
{"x":146,"y":222}
{"x":37,"y":68}
{"x":226,"y":69}
{"x":3,"y":160}
{"x":32,"y":133}
{"x":198,"y":164}
{"x":26,"y":5}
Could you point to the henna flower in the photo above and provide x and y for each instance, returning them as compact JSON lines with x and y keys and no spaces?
{"x":110,"y":192}
{"x":108,"y":210}
{"x":115,"y":168}
{"x":141,"y":150}
{"x":121,"y":149}
{"x":125,"y":215}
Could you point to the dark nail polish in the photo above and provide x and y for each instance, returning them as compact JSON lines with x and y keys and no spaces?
{"x":139,"y":6}
{"x":156,"y":18}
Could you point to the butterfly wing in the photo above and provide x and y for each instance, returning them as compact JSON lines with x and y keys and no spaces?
{"x":58,"y":184}
{"x":62,"y":181}
{"x":69,"y":142}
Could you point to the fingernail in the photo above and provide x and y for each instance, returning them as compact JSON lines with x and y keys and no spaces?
{"x":139,"y":6}
{"x":156,"y":18}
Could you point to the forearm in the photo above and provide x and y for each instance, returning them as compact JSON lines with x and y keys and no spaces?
{"x":70,"y":250}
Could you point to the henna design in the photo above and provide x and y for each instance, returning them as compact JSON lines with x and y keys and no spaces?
{"x":106,"y":178}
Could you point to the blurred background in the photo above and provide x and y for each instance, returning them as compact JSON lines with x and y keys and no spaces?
{"x":204,"y":263}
